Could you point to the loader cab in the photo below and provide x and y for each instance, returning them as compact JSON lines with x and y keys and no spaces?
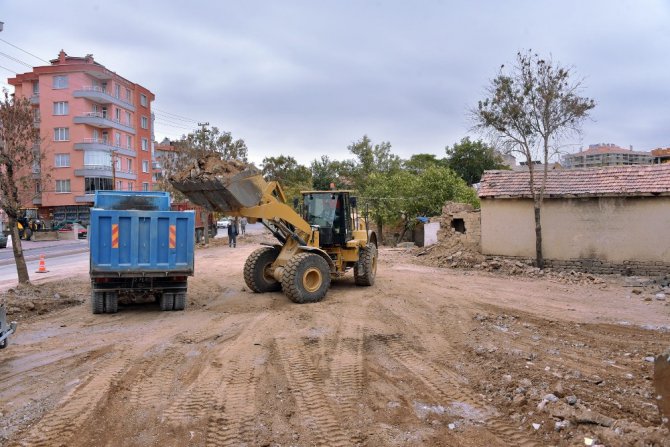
{"x":331,"y":212}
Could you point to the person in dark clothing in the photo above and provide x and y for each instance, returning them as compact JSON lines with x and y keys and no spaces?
{"x":232,"y":234}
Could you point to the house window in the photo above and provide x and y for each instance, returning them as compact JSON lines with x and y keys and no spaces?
{"x":118,"y":115}
{"x":62,"y":134}
{"x":458,"y":225}
{"x":59,"y":82}
{"x":36,"y":88}
{"x":130,"y":165}
{"x":129,"y":141}
{"x":118,"y":164}
{"x":117,"y":91}
{"x":145,"y":122}
{"x":145,"y":144}
{"x":119,"y":185}
{"x":143,"y":100}
{"x":62,"y":160}
{"x":97,"y":158}
{"x":128,"y":119}
{"x":145,"y":186}
{"x":117,"y":139}
{"x":145,"y":166}
{"x":61,"y":108}
{"x":130,"y":186}
{"x":63,"y":185}
{"x":128,"y":95}
{"x":93,"y":184}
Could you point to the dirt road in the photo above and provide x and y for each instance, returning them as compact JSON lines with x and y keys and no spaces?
{"x":426,"y":357}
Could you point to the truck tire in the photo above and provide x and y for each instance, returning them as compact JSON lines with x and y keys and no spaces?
{"x":97,"y":302}
{"x":4,"y":343}
{"x":365,"y":269}
{"x":306,"y":278}
{"x":166,"y":301}
{"x":179,"y":301}
{"x":255,"y":270}
{"x":111,"y":302}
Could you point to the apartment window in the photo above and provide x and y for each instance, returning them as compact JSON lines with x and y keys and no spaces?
{"x":119,"y":185}
{"x":117,"y":91}
{"x":62,"y":134}
{"x":97,"y":158}
{"x":93,"y":184}
{"x":143,"y":100}
{"x":36,"y":88}
{"x":38,"y":187}
{"x":61,"y":108}
{"x":63,"y":185}
{"x":62,"y":160}
{"x":145,"y":166}
{"x":118,"y":164}
{"x":130,"y":164}
{"x":145,"y":122}
{"x":129,"y":142}
{"x":117,"y":139}
{"x":118,"y":115}
{"x":145,"y":186}
{"x":128,"y":95}
{"x":130,"y":186}
{"x":128,"y":118}
{"x":60,"y":81}
{"x":145,"y":144}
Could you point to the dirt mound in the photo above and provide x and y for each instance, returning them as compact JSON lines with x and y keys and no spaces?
{"x":26,"y":301}
{"x":208,"y":167}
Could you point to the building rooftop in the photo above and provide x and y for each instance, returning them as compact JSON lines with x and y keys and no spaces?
{"x":636,"y":180}
{"x":606,"y":148}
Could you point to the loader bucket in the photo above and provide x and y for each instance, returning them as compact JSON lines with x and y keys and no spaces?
{"x":221,"y":193}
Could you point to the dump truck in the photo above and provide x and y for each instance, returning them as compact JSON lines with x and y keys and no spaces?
{"x":139,"y":246}
{"x":326,"y":239}
{"x":6,"y":329}
{"x":199,"y":221}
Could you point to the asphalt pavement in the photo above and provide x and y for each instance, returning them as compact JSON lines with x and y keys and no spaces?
{"x":33,"y":249}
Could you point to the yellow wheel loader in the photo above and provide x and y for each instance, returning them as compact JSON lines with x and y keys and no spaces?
{"x":325,"y":239}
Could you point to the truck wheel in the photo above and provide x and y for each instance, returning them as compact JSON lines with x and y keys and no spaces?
{"x":306,"y":278}
{"x":4,"y":343}
{"x":256,"y":273}
{"x":179,"y":301}
{"x":166,"y":301}
{"x":97,"y":302}
{"x":365,"y":269}
{"x":111,"y":302}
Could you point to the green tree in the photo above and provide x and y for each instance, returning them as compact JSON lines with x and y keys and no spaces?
{"x":371,"y":159}
{"x":292,"y":176}
{"x":326,"y":171}
{"x":470,"y":159}
{"x":18,"y":157}
{"x":528,"y":111}
{"x":418,"y":163}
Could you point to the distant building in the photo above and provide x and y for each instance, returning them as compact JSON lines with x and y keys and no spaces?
{"x":606,"y":154}
{"x":96,"y":134}
{"x":661,"y":155}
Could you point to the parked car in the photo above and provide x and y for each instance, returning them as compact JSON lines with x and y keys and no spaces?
{"x":82,"y":232}
{"x":223,"y":223}
{"x":3,"y":241}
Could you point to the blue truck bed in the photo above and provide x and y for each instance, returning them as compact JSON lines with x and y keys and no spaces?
{"x":139,"y":246}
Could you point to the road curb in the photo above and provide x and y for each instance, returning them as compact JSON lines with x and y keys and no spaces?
{"x":36,"y":257}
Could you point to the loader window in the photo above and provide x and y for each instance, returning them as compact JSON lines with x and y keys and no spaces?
{"x":320,"y":209}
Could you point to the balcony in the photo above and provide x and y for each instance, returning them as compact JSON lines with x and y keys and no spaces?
{"x":35,"y":99}
{"x":97,"y":144}
{"x":97,"y":119}
{"x":100,"y":96}
{"x":37,"y":200}
{"x":86,"y":198}
{"x":105,"y":171}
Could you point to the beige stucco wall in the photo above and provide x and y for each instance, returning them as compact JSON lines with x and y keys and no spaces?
{"x":609,"y":229}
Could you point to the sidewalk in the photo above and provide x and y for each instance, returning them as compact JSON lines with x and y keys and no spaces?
{"x":38,"y":245}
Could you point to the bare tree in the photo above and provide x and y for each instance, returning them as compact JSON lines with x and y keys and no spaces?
{"x":527,"y":112}
{"x":18,"y":157}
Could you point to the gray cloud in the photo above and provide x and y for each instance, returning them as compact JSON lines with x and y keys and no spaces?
{"x":307,"y":78}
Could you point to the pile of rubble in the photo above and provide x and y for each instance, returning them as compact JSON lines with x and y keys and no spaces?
{"x":29,"y":300}
{"x":209,"y":166}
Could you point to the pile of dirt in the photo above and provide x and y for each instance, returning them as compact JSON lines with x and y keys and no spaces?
{"x":26,"y":301}
{"x":208,"y":167}
{"x":449,"y":252}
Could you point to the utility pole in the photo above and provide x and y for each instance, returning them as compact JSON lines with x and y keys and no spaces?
{"x":204,"y":215}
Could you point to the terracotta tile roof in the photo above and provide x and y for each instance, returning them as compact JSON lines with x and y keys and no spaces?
{"x":637,"y":180}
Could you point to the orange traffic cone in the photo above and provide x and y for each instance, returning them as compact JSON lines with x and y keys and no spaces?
{"x":43,"y":267}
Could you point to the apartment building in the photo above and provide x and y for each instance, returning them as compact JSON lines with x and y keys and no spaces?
{"x":96,"y":134}
{"x":606,"y":154}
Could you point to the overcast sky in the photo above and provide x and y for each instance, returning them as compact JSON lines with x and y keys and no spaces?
{"x":307,"y":78}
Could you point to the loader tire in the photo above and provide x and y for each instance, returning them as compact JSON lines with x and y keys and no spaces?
{"x":111,"y":302}
{"x":365,"y":269}
{"x":166,"y":301}
{"x":97,"y":302}
{"x":180,"y":301}
{"x":256,"y":273}
{"x":306,"y":278}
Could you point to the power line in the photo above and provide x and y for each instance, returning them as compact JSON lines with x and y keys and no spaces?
{"x":15,"y":59}
{"x":5,"y":68}
{"x":175,"y":115}
{"x":27,"y":52}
